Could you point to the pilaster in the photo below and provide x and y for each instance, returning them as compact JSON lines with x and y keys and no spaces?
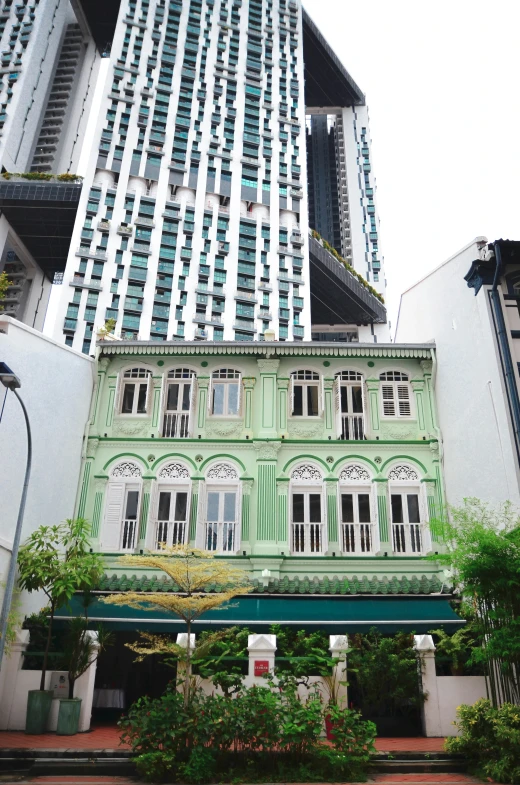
{"x":283,"y":404}
{"x":196,"y":489}
{"x":332,"y":512}
{"x":418,"y":391}
{"x":328,"y":385}
{"x":266,"y":502}
{"x":249,"y":386}
{"x":268,"y":370}
{"x":247,"y":487}
{"x":102,"y":368}
{"x":203,"y":384}
{"x":382,"y":509}
{"x":145,"y":506}
{"x":373,"y":407}
{"x":282,"y":488}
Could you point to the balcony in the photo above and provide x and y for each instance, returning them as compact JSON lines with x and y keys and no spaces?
{"x":357,"y":538}
{"x":411,"y":539}
{"x":81,"y":283}
{"x":141,"y":248}
{"x":244,"y":325}
{"x":125,"y":231}
{"x":307,"y":539}
{"x":168,"y":533}
{"x":223,"y":248}
{"x":86,"y":253}
{"x":248,"y":297}
{"x":296,"y":238}
{"x":103,"y":226}
{"x":70,"y":324}
{"x":201,"y":334}
{"x":141,"y":220}
{"x":353,"y":427}
{"x":221,"y":537}
{"x":176,"y":425}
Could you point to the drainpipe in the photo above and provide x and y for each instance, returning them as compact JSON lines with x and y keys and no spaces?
{"x":504,"y":349}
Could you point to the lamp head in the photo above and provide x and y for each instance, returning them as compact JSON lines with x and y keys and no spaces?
{"x":8,"y":378}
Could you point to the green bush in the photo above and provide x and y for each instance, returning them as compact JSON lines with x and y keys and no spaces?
{"x":257,"y":735}
{"x":489,"y":740}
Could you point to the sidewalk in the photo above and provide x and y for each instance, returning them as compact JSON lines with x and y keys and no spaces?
{"x":383,"y":779}
{"x":108,"y":738}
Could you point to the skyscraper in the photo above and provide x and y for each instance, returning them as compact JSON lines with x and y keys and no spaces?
{"x":48,"y":71}
{"x":193,"y":220}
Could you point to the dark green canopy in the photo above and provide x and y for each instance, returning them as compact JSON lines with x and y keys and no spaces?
{"x":330,"y":614}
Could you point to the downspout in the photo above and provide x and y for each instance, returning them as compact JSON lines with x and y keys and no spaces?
{"x":504,"y":349}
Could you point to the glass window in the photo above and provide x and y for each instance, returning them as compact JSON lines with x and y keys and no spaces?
{"x":134,"y":393}
{"x":225,"y":394}
{"x":305,"y":394}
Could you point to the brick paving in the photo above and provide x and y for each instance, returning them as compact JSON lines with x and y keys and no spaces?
{"x":105,"y":737}
{"x":383,"y":779}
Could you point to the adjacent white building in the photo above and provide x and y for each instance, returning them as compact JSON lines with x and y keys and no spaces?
{"x":477,"y":335}
{"x":57,"y":385}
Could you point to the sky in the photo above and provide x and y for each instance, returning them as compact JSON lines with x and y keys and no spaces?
{"x":442,"y":81}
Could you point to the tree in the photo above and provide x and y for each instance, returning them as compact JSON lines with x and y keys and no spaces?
{"x":484,"y":560}
{"x":57,"y":561}
{"x":5,"y":283}
{"x":81,"y":650}
{"x":193,"y":573}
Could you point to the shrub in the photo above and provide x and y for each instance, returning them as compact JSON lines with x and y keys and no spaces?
{"x":489,"y":740}
{"x":259,"y":734}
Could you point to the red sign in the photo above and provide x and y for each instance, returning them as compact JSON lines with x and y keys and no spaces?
{"x":261,"y":667}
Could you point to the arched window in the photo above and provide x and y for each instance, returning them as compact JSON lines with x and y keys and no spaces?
{"x":169,"y":507}
{"x":308,"y":519}
{"x":122,"y":508}
{"x":179,"y":403}
{"x":350,"y":405}
{"x":305,"y":394}
{"x":134,"y":393}
{"x":357,"y":507}
{"x":224,"y":396}
{"x":221,"y":524}
{"x":395,"y":394}
{"x":410,"y":530}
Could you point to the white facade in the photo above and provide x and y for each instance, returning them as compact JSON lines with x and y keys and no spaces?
{"x":479,"y":452}
{"x":203,"y":120}
{"x":57,"y":385}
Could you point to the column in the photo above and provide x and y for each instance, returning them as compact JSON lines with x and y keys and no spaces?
{"x":431,"y":715}
{"x":382,"y":511}
{"x":145,"y":508}
{"x":112,"y":387}
{"x":92,"y":445}
{"x":249,"y":385}
{"x":262,"y":652}
{"x":247,"y":487}
{"x":418,"y":390}
{"x":328,"y":406}
{"x":282,"y":487}
{"x":84,"y":688}
{"x":268,"y":371}
{"x":331,"y":484}
{"x":266,"y":501}
{"x":202,"y":407}
{"x":373,"y":424}
{"x":283,"y":405}
{"x":157,"y":383}
{"x":338,"y":646}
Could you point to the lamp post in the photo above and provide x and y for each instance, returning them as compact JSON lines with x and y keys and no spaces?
{"x":12,"y":382}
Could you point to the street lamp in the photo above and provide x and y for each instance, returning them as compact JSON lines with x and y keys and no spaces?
{"x":12,"y":382}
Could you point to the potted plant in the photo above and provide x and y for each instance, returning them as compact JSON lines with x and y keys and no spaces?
{"x":82,"y":647}
{"x":57,"y":561}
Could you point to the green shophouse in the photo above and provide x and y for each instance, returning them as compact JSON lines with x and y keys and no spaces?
{"x":314,"y":466}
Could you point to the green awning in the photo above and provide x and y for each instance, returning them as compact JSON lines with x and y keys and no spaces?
{"x":330,"y":614}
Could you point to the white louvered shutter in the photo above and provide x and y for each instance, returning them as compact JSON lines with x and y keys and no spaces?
{"x":149,"y":392}
{"x":374,"y":515}
{"x":193,"y":406}
{"x":291,"y":401}
{"x":201,"y":518}
{"x":337,"y":407}
{"x":111,"y":532}
{"x":321,"y":403}
{"x":403,"y":398}
{"x":239,"y":401}
{"x":210,"y":396}
{"x":152,"y":516}
{"x":364,"y":398}
{"x":162,"y":403}
{"x":387,"y":393}
{"x":426,"y":532}
{"x":119,"y":392}
{"x":238,"y":528}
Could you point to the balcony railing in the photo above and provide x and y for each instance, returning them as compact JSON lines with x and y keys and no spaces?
{"x":357,"y":537}
{"x":128,"y":533}
{"x":168,"y":533}
{"x":352,"y":427}
{"x":410,"y":538}
{"x":307,"y":539}
{"x":176,"y":425}
{"x":221,"y":536}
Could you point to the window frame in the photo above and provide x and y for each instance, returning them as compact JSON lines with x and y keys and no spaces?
{"x":123,"y":381}
{"x":226,"y":382}
{"x":218,"y":485}
{"x":404,"y":487}
{"x":394,"y":385}
{"x":172,"y":485}
{"x":182,"y":430}
{"x":308,"y":487}
{"x":305,"y":383}
{"x":349,"y":383}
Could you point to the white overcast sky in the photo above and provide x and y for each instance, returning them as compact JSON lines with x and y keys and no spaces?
{"x":442,"y":81}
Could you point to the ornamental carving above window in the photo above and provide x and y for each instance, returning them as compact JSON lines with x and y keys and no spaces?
{"x":403,"y":473}
{"x":174,"y":471}
{"x":354,"y":473}
{"x":222,"y":471}
{"x":127,"y":469}
{"x":306,"y":472}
